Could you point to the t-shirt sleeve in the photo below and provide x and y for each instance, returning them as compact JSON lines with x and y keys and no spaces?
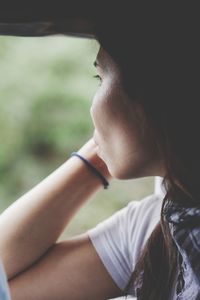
{"x":119,"y":239}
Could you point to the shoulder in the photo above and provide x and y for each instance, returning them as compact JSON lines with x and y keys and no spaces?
{"x":144,"y":212}
{"x":146,"y":205}
{"x":119,"y":239}
{"x":131,"y":226}
{"x":141,"y":218}
{"x":137,"y":217}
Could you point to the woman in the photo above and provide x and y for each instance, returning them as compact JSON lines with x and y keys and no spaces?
{"x":146,"y":124}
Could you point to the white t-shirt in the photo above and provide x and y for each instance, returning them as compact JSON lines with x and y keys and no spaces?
{"x":120,"y":239}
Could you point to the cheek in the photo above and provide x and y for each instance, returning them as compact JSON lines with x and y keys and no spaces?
{"x":123,"y":146}
{"x":101,"y":110}
{"x":111,"y":117}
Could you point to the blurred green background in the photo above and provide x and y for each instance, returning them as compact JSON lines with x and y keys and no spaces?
{"x":46,"y":89}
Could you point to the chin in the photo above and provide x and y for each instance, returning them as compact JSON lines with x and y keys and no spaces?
{"x":119,"y":174}
{"x":125,"y":174}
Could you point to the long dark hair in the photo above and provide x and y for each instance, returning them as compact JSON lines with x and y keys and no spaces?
{"x":157,"y":51}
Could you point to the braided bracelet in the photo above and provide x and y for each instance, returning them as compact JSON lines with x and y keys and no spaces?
{"x":93,"y":169}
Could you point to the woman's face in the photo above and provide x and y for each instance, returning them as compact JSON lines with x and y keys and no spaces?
{"x":121,"y":133}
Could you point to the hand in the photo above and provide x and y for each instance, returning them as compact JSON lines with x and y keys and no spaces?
{"x":89,"y":151}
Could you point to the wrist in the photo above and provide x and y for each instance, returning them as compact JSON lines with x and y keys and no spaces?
{"x":89,"y":152}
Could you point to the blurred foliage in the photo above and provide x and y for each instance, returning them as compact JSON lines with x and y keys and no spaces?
{"x":46,"y":88}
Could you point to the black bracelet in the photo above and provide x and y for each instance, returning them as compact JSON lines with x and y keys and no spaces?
{"x":93,"y":169}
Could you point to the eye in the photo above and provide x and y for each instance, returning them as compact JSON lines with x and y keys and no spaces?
{"x":98,"y":77}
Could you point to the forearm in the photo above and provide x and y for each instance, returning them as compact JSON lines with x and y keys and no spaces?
{"x":34,"y":222}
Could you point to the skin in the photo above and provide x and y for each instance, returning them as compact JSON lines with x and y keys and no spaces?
{"x":125,"y":143}
{"x":38,"y":265}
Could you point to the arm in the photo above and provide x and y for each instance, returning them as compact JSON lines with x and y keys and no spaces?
{"x":33,"y":223}
{"x":70,"y":270}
